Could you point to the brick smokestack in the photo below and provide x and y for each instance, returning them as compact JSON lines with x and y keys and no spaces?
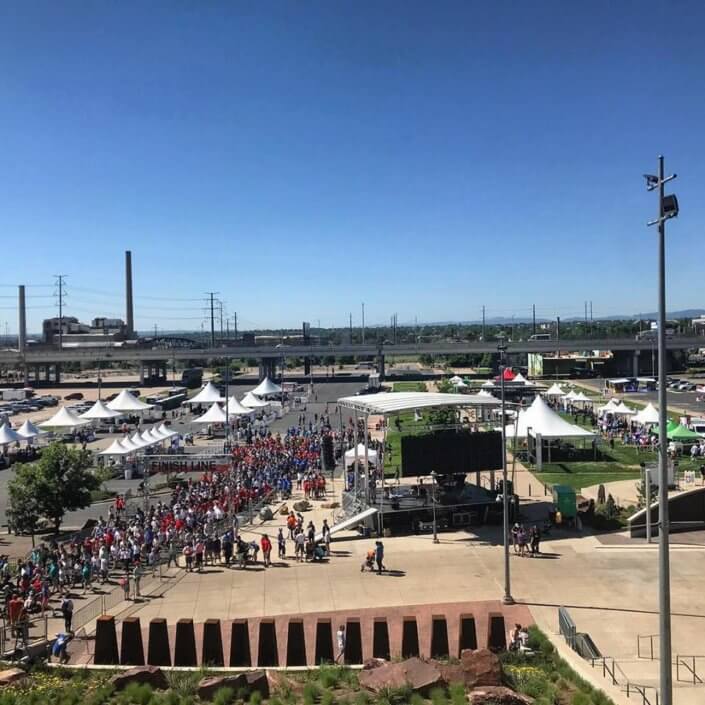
{"x":130,"y":318}
{"x":22,"y":339}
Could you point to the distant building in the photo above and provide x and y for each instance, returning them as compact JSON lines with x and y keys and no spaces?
{"x":73,"y":332}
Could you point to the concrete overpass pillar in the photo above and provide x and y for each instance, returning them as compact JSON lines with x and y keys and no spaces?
{"x":380,"y":365}
{"x":141,"y":364}
{"x":267,"y":367}
{"x":57,"y":373}
{"x":635,"y":363}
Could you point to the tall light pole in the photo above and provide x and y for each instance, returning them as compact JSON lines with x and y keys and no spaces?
{"x":434,"y":476}
{"x":507,"y":599}
{"x":667,"y":208}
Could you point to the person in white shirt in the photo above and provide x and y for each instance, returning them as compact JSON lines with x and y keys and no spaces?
{"x":340,"y":639}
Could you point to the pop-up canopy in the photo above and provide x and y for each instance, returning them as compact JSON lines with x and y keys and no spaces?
{"x":648,"y":415}
{"x":251,"y":401}
{"x":623,"y":410}
{"x":100,"y":410}
{"x":64,"y":418}
{"x":214,"y":415}
{"x":8,"y":435}
{"x":28,"y":430}
{"x":456,"y":380}
{"x":266,"y":387}
{"x":208,"y":395}
{"x":554,"y":391}
{"x":127,"y":403}
{"x":115,"y":448}
{"x":235,"y":408}
{"x":350,"y":455}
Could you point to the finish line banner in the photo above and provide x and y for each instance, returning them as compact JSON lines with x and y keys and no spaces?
{"x":168,"y":464}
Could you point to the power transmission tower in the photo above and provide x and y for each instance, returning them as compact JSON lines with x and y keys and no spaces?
{"x":212,"y":294}
{"x":60,"y":294}
{"x":235,"y":325}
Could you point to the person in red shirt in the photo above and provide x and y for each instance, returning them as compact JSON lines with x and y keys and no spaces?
{"x":266,"y":545}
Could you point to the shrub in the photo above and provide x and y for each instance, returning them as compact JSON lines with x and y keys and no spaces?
{"x":223,"y":696}
{"x":362,"y":698}
{"x":416,"y":699}
{"x":256,"y":698}
{"x":457,"y":694}
{"x":329,"y":676}
{"x":581,"y":699}
{"x":438,"y":696}
{"x":310,"y":693}
{"x":327,"y":698}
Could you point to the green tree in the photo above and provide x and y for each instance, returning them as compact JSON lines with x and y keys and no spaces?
{"x":23,"y":512}
{"x":59,"y":482}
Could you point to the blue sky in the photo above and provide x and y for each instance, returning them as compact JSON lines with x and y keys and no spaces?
{"x":299,"y":158}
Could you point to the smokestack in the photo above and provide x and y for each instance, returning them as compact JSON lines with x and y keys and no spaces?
{"x":22,"y":339}
{"x":128,"y":294}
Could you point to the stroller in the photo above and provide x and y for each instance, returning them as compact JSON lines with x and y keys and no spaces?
{"x":369,"y":561}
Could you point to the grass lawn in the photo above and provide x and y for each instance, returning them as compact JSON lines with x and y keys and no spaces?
{"x":409,"y":387}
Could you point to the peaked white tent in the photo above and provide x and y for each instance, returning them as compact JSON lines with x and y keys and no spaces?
{"x":623,"y":410}
{"x":155,"y":435}
{"x":520,"y":379}
{"x":266,"y":387}
{"x":251,"y":401}
{"x":147,"y":438}
{"x":127,"y":403}
{"x":540,"y":419}
{"x":166,"y":432}
{"x":571,"y":396}
{"x":489,"y":384}
{"x":100,"y":410}
{"x":115,"y":448}
{"x":350,"y":455}
{"x":608,"y":407}
{"x":554,"y":391}
{"x":456,"y":380}
{"x":235,"y":408}
{"x":582,"y":397}
{"x":648,"y":415}
{"x":8,"y":435}
{"x":486,"y":393}
{"x":214,"y":415}
{"x":208,"y":395}
{"x":137,"y":441}
{"x":64,"y":418}
{"x":28,"y":430}
{"x":129,"y":444}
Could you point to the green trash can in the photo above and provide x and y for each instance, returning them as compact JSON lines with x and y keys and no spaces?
{"x":565,"y":501}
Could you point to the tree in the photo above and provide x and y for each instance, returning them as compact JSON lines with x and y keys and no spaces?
{"x":59,"y":482}
{"x":23,"y":512}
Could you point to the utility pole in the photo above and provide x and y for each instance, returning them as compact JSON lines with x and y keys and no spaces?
{"x":363,"y":322}
{"x":212,"y":294}
{"x":235,"y":325}
{"x":533,"y":318}
{"x":220,"y":305}
{"x":60,"y":279}
{"x":483,"y":322}
{"x":351,"y":337}
{"x":507,"y":599}
{"x":667,"y":208}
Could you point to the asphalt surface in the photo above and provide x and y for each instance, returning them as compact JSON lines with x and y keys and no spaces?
{"x":323,"y":392}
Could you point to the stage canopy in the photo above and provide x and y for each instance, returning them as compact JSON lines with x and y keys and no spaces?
{"x":208,"y":395}
{"x":127,"y":403}
{"x":28,"y":430}
{"x":266,"y":387}
{"x":554,"y":391}
{"x":648,"y":415}
{"x":235,"y":408}
{"x":99,"y":410}
{"x":251,"y":401}
{"x":8,"y":435}
{"x":214,"y":415}
{"x":350,"y":455}
{"x":396,"y":402}
{"x":64,"y":418}
{"x":540,"y":419}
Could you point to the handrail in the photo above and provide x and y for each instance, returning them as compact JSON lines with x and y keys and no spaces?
{"x":611,"y":668}
{"x":680,"y":661}
{"x":651,"y":638}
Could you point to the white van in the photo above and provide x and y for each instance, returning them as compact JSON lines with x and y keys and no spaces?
{"x":698,"y":425}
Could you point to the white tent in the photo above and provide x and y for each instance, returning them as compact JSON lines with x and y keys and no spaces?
{"x":460,"y":385}
{"x":166,"y":432}
{"x":115,"y":448}
{"x":609,"y":406}
{"x":455,"y":381}
{"x":251,"y":401}
{"x":571,"y":396}
{"x":28,"y":430}
{"x":147,"y":438}
{"x":648,"y":415}
{"x":127,"y":403}
{"x":155,"y":435}
{"x":554,"y":391}
{"x":520,"y":379}
{"x":214,"y":415}
{"x":100,"y":410}
{"x":266,"y":387}
{"x":235,"y":408}
{"x":8,"y":435}
{"x":208,"y":395}
{"x":623,"y":410}
{"x":350,"y":455}
{"x":582,"y":397}
{"x":540,"y":419}
{"x":64,"y":418}
{"x":486,"y":393}
{"x":137,"y":441}
{"x":488,"y":384}
{"x":129,"y":444}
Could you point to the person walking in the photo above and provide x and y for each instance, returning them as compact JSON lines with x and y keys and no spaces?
{"x":325,"y":530}
{"x":535,"y":538}
{"x":173,"y":555}
{"x":137,"y":576}
{"x":266,"y":545}
{"x":379,"y":556}
{"x":340,"y":639}
{"x":67,"y":612}
{"x":281,"y":544}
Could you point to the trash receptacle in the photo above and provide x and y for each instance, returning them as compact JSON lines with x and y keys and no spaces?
{"x":565,"y":501}
{"x":128,"y":473}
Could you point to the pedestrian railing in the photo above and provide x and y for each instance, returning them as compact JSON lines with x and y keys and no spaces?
{"x":645,"y":645}
{"x":567,"y":627}
{"x":687,"y":666}
{"x":612,"y":670}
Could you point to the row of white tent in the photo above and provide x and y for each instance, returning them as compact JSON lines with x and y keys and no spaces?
{"x":139,"y":441}
{"x":210,"y":395}
{"x":26,"y":432}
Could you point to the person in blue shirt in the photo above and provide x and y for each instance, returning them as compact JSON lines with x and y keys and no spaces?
{"x":58,"y":650}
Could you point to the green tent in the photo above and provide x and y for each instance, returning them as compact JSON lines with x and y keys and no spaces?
{"x":683,"y":434}
{"x":671,"y":426}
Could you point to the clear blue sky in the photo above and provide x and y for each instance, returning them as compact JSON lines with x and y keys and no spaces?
{"x":301,"y":157}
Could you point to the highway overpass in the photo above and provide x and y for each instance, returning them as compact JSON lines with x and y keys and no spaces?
{"x":44,"y":356}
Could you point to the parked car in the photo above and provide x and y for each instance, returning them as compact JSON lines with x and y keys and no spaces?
{"x":74,"y":395}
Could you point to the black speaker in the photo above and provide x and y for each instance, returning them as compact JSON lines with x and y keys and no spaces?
{"x":327,"y":457}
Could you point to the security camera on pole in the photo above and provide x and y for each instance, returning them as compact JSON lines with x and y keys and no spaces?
{"x":667,"y":208}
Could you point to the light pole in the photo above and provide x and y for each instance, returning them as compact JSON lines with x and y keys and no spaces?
{"x":507,"y":599}
{"x":667,"y":208}
{"x":434,"y":476}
